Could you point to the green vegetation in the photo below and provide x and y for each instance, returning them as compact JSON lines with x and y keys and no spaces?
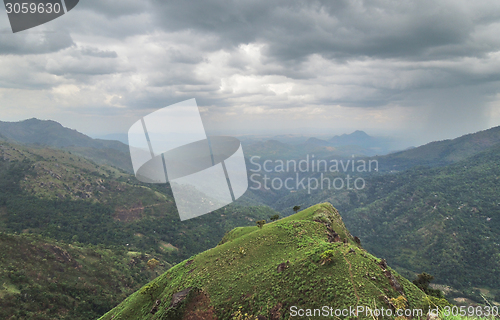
{"x":422,"y":282}
{"x":442,"y":220}
{"x":46,"y":279}
{"x":260,"y":223}
{"x":281,"y":267}
{"x":69,"y":198}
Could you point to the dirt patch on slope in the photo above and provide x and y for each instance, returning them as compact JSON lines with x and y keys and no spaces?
{"x":129,"y":214}
{"x":199,"y":308}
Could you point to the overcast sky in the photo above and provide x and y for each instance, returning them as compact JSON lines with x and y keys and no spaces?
{"x":421,"y":70}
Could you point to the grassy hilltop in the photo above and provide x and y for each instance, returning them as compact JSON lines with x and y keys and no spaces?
{"x":307,"y":260}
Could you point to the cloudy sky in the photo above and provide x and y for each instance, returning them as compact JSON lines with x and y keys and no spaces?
{"x":419,"y":70}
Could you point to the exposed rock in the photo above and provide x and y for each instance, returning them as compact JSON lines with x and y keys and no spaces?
{"x":178,"y":297}
{"x":394,"y":282}
{"x":388,"y":302}
{"x":432,"y":316}
{"x":331,"y":234}
{"x":357,"y":240}
{"x":155,"y":307}
{"x":383,"y":263}
{"x":282,"y":266}
{"x":199,"y":308}
{"x":275,"y":313}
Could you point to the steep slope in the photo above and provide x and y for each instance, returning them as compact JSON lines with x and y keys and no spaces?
{"x":60,"y":195}
{"x":444,"y":220}
{"x":52,"y":134}
{"x":308,"y":260}
{"x":44,"y":279}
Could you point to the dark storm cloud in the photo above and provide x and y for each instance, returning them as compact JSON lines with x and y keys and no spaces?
{"x":337,"y":29}
{"x":277,"y":60}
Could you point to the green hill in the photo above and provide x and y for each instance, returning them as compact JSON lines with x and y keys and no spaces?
{"x":308,"y":260}
{"x":443,"y":220}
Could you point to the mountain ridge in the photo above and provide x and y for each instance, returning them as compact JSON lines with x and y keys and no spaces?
{"x":439,"y":153}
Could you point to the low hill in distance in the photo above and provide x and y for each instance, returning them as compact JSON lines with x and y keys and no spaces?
{"x":305,"y":261}
{"x":357,"y":143}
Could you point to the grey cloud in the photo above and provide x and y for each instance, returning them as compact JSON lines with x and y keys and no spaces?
{"x":94,"y":52}
{"x":144,"y":55}
{"x":76,"y":62}
{"x":115,"y":8}
{"x":34,"y":42}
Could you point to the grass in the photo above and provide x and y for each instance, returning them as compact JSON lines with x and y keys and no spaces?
{"x":240,"y":275}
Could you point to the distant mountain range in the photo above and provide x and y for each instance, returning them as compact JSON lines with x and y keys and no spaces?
{"x":285,"y":147}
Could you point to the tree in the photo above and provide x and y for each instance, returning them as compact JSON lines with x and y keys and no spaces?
{"x":327,"y":256}
{"x":422,"y":282}
{"x":296,"y":208}
{"x":260,"y":223}
{"x":150,"y":290}
{"x":153,"y":263}
{"x":275,"y":217}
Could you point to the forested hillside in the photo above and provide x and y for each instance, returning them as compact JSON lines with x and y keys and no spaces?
{"x":60,"y":195}
{"x":45,"y":279}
